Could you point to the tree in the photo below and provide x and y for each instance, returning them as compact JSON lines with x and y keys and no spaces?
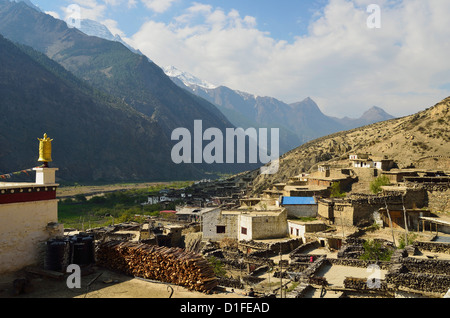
{"x":375,"y":185}
{"x":373,"y":250}
{"x":80,"y":198}
{"x":336,"y":190}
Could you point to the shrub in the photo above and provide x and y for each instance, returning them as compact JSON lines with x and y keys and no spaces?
{"x":217,"y":266}
{"x":375,"y":185}
{"x":411,"y":239}
{"x":97,"y":200}
{"x":336,"y":190}
{"x":80,"y":198}
{"x":373,"y":250}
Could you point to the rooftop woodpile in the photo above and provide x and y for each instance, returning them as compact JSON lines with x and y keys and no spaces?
{"x":171,"y":265}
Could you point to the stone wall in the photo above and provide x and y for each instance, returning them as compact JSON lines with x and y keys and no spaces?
{"x":432,"y":266}
{"x":357,"y":263}
{"x":436,"y":196}
{"x":434,"y":247}
{"x":325,"y":210}
{"x":422,"y":282}
{"x":420,"y":275}
{"x":362,"y":284}
{"x":217,"y":218}
{"x":308,"y":273}
{"x":357,"y":209}
{"x":352,"y":249}
{"x":297,"y":252}
{"x":262,"y":249}
{"x":301,"y":210}
{"x":262,"y":225}
{"x":439,"y":199}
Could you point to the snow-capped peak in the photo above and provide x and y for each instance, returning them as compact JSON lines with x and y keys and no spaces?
{"x":246,"y":95}
{"x":91,"y":27}
{"x":186,"y":78}
{"x":94,"y":28}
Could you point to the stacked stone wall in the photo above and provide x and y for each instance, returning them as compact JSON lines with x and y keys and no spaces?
{"x":421,"y":282}
{"x":421,"y":275}
{"x":417,"y":265}
{"x":434,"y":247}
{"x":357,"y":263}
{"x":362,"y":284}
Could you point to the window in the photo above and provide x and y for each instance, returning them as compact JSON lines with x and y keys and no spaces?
{"x":220,"y":229}
{"x":244,"y":230}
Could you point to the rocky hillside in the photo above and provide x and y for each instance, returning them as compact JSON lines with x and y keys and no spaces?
{"x":421,"y":140}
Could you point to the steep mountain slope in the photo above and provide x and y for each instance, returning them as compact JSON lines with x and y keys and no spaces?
{"x":96,"y":137}
{"x":186,"y":78}
{"x":94,"y":28}
{"x":109,"y":66}
{"x":421,"y":140}
{"x":113,"y":69}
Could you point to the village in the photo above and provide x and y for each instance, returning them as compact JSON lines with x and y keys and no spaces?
{"x":317,"y":231}
{"x":322,"y":234}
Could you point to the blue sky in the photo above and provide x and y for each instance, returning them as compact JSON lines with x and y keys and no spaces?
{"x":290,"y":50}
{"x":294,"y":15}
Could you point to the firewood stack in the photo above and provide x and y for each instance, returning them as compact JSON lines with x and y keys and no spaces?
{"x":171,"y":265}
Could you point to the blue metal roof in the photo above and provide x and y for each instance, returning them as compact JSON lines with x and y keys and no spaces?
{"x":297,"y":200}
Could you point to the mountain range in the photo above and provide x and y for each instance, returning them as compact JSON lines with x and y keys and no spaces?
{"x":111,"y":110}
{"x":419,"y":141}
{"x":145,"y":105}
{"x":298,"y":122}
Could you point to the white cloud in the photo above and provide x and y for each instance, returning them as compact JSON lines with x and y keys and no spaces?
{"x":85,"y":9}
{"x":132,"y":3}
{"x":113,"y":27}
{"x":342,"y":64}
{"x":53,"y":14}
{"x":113,"y":2}
{"x":159,"y":6}
{"x":93,"y":10}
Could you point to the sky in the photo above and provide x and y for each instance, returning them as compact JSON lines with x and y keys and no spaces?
{"x":347,"y":55}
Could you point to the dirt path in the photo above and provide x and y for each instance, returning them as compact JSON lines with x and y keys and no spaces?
{"x":108,"y":285}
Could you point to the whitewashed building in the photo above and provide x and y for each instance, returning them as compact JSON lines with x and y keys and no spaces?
{"x":28,"y":218}
{"x":218,"y":224}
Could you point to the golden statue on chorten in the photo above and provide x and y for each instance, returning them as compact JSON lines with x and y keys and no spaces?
{"x":45,"y":150}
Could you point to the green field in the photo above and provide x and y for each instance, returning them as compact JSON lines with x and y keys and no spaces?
{"x":84,"y":210}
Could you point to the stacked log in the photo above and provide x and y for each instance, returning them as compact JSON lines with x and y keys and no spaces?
{"x":167,"y":264}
